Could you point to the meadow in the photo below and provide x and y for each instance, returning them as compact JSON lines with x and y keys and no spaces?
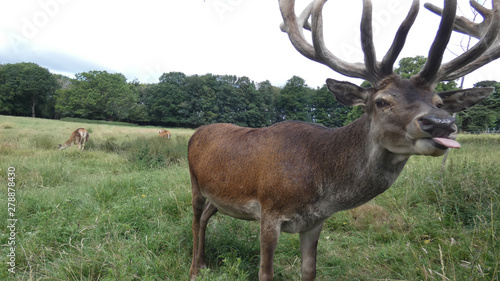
{"x":121,"y":210}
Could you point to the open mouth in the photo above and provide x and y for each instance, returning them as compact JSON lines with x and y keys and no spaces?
{"x":444,"y":143}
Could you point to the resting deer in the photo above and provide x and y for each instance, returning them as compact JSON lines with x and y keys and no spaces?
{"x":79,"y":137}
{"x":292,"y":176}
{"x":165,"y":133}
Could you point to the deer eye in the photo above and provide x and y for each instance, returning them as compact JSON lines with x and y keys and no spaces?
{"x":439,"y":105}
{"x":381,"y":103}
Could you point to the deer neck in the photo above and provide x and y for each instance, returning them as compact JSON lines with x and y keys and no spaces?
{"x":362,"y":145}
{"x":366,"y":168}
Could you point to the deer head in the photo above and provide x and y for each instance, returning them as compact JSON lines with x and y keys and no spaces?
{"x":407,"y":116}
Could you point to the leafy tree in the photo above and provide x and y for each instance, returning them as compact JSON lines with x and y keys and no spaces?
{"x":354,"y":114}
{"x":197,"y":100}
{"x":294,"y":102}
{"x":166,"y":101}
{"x":412,"y":66}
{"x":255,"y":110}
{"x":269,"y":94}
{"x":327,"y":110}
{"x":138,"y":112}
{"x":97,"y":95}
{"x":200,"y":99}
{"x":229,"y":103}
{"x":63,"y":82}
{"x":25,"y":89}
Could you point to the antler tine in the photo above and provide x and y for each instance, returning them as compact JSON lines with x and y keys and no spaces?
{"x":292,"y":27}
{"x":399,"y":40}
{"x":431,"y":67}
{"x":324,"y":56}
{"x":302,"y":21}
{"x":484,"y":51}
{"x":486,"y":58}
{"x":371,"y":69}
{"x":367,"y":40}
{"x":463,"y":25}
{"x":318,"y":52}
{"x":385,"y":68}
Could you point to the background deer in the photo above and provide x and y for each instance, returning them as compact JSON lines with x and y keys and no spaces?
{"x":79,"y":137}
{"x":292,"y":176}
{"x":165,"y":133}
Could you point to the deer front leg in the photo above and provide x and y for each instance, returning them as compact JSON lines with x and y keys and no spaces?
{"x":269,"y":235}
{"x":308,"y":250}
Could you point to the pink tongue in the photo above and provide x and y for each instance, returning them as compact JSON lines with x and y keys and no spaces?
{"x":447,"y":142}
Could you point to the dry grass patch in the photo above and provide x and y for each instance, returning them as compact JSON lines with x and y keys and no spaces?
{"x":372,"y":215}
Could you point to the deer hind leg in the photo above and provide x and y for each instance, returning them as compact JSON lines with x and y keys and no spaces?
{"x":270,"y":230}
{"x":308,"y":250}
{"x":76,"y":140}
{"x":208,"y":212}
{"x":199,"y":231}
{"x":202,"y":212}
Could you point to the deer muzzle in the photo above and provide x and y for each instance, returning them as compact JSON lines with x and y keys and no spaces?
{"x":437,"y":127}
{"x":440,"y":129}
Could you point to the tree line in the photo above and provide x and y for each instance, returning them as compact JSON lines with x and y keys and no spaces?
{"x":179,"y":100}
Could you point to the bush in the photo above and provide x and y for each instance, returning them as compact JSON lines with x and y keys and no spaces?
{"x":153,"y":153}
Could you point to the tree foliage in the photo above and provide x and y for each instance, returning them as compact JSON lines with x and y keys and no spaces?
{"x":180,"y":100}
{"x":408,"y":67}
{"x":26,"y":89}
{"x":97,"y":95}
{"x":196,"y":100}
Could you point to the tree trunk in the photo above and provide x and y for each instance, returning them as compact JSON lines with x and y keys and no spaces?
{"x":33,"y":99}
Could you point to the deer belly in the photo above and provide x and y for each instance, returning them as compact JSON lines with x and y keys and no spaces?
{"x":249,"y":210}
{"x":307,"y":219}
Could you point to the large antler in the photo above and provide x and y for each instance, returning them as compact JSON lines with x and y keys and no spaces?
{"x":371,"y":70}
{"x":484,"y":51}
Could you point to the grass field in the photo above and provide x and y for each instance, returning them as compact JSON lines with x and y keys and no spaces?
{"x":121,"y":211}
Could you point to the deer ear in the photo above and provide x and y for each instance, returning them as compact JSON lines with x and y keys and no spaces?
{"x":458,"y":100}
{"x":347,"y":93}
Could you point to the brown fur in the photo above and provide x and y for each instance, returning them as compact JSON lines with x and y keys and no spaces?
{"x":165,"y":133}
{"x":79,"y":137}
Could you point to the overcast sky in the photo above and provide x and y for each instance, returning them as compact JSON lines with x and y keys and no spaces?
{"x":143,"y":39}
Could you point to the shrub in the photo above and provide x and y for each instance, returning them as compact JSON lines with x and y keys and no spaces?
{"x":151,"y":153}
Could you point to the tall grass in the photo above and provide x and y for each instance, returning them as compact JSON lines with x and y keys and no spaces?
{"x":121,"y":211}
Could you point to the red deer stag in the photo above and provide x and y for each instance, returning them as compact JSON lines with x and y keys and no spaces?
{"x":164,"y":133}
{"x":79,"y":137}
{"x":292,"y":176}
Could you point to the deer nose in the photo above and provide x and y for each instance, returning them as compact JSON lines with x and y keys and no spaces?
{"x":436,"y":126}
